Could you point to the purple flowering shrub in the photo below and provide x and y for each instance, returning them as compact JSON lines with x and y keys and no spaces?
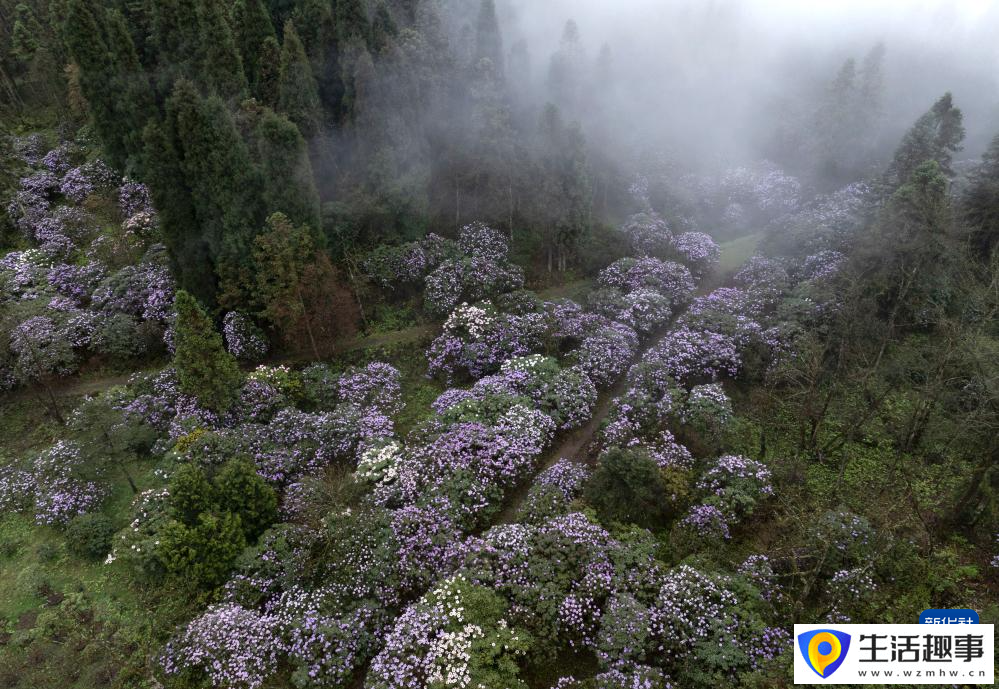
{"x":469,"y":279}
{"x":691,"y":356}
{"x":566,"y":395}
{"x":230,"y":645}
{"x":61,"y":491}
{"x":553,"y":492}
{"x":849,"y":593}
{"x":647,"y":234}
{"x":827,"y":222}
{"x":375,"y":386}
{"x":650,"y":399}
{"x":478,"y":240}
{"x":670,"y":279}
{"x":852,"y":539}
{"x":691,"y":625}
{"x":707,"y":410}
{"x":732,"y":489}
{"x":478,"y":338}
{"x":406,"y":265}
{"x":557,"y":575}
{"x":243,"y":338}
{"x":605,"y":353}
{"x":764,"y":187}
{"x":698,"y":251}
{"x":76,"y":299}
{"x":474,"y":268}
{"x":42,"y":347}
{"x":458,"y":634}
{"x":466,"y":469}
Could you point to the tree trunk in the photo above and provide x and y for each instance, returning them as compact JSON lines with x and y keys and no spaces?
{"x":308,"y":323}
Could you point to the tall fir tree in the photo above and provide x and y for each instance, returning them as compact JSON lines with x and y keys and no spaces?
{"x":285,"y":263}
{"x":222,"y":69}
{"x":27,"y":34}
{"x":204,"y":368}
{"x":981,"y":203}
{"x":111,"y":79}
{"x":383,"y":28}
{"x":298,"y":93}
{"x":936,"y":136}
{"x":268,"y":72}
{"x":190,"y":255}
{"x":488,"y":40}
{"x":564,"y":191}
{"x":289,"y":186}
{"x":177,"y":40}
{"x":202,"y":162}
{"x":352,"y":24}
{"x":251,"y":27}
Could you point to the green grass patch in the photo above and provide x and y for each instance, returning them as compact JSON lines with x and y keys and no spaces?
{"x":737,"y":251}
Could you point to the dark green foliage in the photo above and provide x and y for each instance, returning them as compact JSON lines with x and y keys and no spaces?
{"x":203,"y":554}
{"x":937,"y":135}
{"x":190,"y":253}
{"x":222,"y":71}
{"x":564,"y":189}
{"x":287,"y":172}
{"x":111,"y":79}
{"x":190,"y":494}
{"x":911,"y":266}
{"x":251,"y":27}
{"x":199,"y":161}
{"x":628,"y":487}
{"x":298,"y":94}
{"x":178,"y":41}
{"x":240,"y":490}
{"x":981,"y":203}
{"x":89,"y":535}
{"x":268,"y":77}
{"x":212,"y":520}
{"x":27,"y":34}
{"x":291,"y":279}
{"x":194,"y":40}
{"x":351,"y":21}
{"x":314,"y":24}
{"x":204,"y":368}
{"x":383,"y":28}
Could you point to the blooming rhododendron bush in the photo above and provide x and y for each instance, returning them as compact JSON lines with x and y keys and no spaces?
{"x":90,"y":282}
{"x":571,"y":445}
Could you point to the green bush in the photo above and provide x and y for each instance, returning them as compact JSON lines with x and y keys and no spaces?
{"x":89,"y":535}
{"x":628,"y":487}
{"x":241,"y":491}
{"x":202,"y":555}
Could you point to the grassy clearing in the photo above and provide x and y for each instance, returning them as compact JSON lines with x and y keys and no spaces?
{"x":737,"y":251}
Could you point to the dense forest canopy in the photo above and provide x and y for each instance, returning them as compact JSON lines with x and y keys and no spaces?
{"x":493,"y":343}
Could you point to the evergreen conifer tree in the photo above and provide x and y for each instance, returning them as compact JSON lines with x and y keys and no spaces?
{"x":351,"y":20}
{"x":222,"y":69}
{"x":268,"y":72}
{"x":937,"y":135}
{"x":981,"y":203}
{"x":204,"y":368}
{"x":111,"y":79}
{"x":298,"y":94}
{"x":289,"y":186}
{"x":251,"y":27}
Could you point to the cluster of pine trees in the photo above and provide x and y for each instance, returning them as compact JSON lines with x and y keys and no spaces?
{"x":232,"y":112}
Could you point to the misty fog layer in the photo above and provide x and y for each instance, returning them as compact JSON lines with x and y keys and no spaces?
{"x":713,"y":80}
